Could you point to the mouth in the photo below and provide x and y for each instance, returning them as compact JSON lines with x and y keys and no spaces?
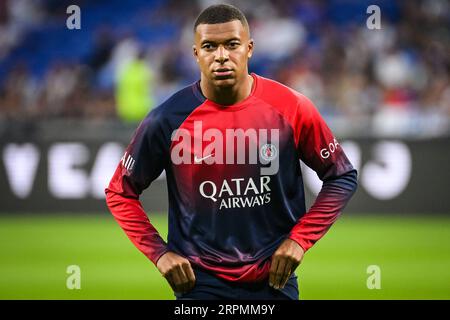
{"x":223,"y":72}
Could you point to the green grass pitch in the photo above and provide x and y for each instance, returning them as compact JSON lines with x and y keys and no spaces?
{"x":413,"y":254}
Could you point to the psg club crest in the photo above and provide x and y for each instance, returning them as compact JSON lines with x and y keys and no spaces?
{"x":268,"y":152}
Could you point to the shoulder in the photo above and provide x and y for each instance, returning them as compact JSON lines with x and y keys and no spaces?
{"x":182,"y":100}
{"x":289,"y":102}
{"x":180,"y":103}
{"x":280,"y":95}
{"x":167,"y":116}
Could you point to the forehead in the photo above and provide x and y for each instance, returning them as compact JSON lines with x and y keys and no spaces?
{"x":220,"y":31}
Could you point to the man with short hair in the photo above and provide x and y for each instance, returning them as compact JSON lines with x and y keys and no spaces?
{"x":230,"y":145}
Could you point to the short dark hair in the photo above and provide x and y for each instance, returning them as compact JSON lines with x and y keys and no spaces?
{"x":220,"y":13}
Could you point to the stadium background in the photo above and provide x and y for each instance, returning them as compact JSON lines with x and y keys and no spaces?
{"x":70,"y":100}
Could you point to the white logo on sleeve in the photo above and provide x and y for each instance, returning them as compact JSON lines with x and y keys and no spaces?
{"x":331,"y":148}
{"x":128,"y":161}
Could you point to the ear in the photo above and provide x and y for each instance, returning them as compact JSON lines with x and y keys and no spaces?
{"x":250,"y":48}
{"x":195,"y":52}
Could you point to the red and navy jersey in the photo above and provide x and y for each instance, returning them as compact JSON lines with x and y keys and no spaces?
{"x":233,"y":176}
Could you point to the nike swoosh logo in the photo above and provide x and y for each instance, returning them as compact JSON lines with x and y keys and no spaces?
{"x":197,"y":160}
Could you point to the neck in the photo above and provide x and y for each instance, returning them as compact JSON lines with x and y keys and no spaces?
{"x":227,"y":95}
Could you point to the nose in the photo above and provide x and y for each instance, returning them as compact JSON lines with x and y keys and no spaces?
{"x":221,"y":54}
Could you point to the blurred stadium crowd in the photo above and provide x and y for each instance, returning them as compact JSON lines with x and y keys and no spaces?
{"x":132,"y":55}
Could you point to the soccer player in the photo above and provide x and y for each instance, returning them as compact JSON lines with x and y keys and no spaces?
{"x":230,"y":145}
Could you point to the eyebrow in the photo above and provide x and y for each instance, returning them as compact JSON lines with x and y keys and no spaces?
{"x":213,"y":41}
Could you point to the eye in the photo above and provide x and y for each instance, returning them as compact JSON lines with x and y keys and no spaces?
{"x":207,"y":46}
{"x":233,"y":44}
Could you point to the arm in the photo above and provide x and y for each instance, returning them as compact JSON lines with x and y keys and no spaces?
{"x":320,"y":151}
{"x":142,"y":163}
{"x":330,"y":202}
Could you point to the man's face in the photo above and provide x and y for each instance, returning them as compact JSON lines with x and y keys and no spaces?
{"x":222,"y":51}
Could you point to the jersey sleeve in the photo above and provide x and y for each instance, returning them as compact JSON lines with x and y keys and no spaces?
{"x":143,"y":161}
{"x":319,"y":149}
